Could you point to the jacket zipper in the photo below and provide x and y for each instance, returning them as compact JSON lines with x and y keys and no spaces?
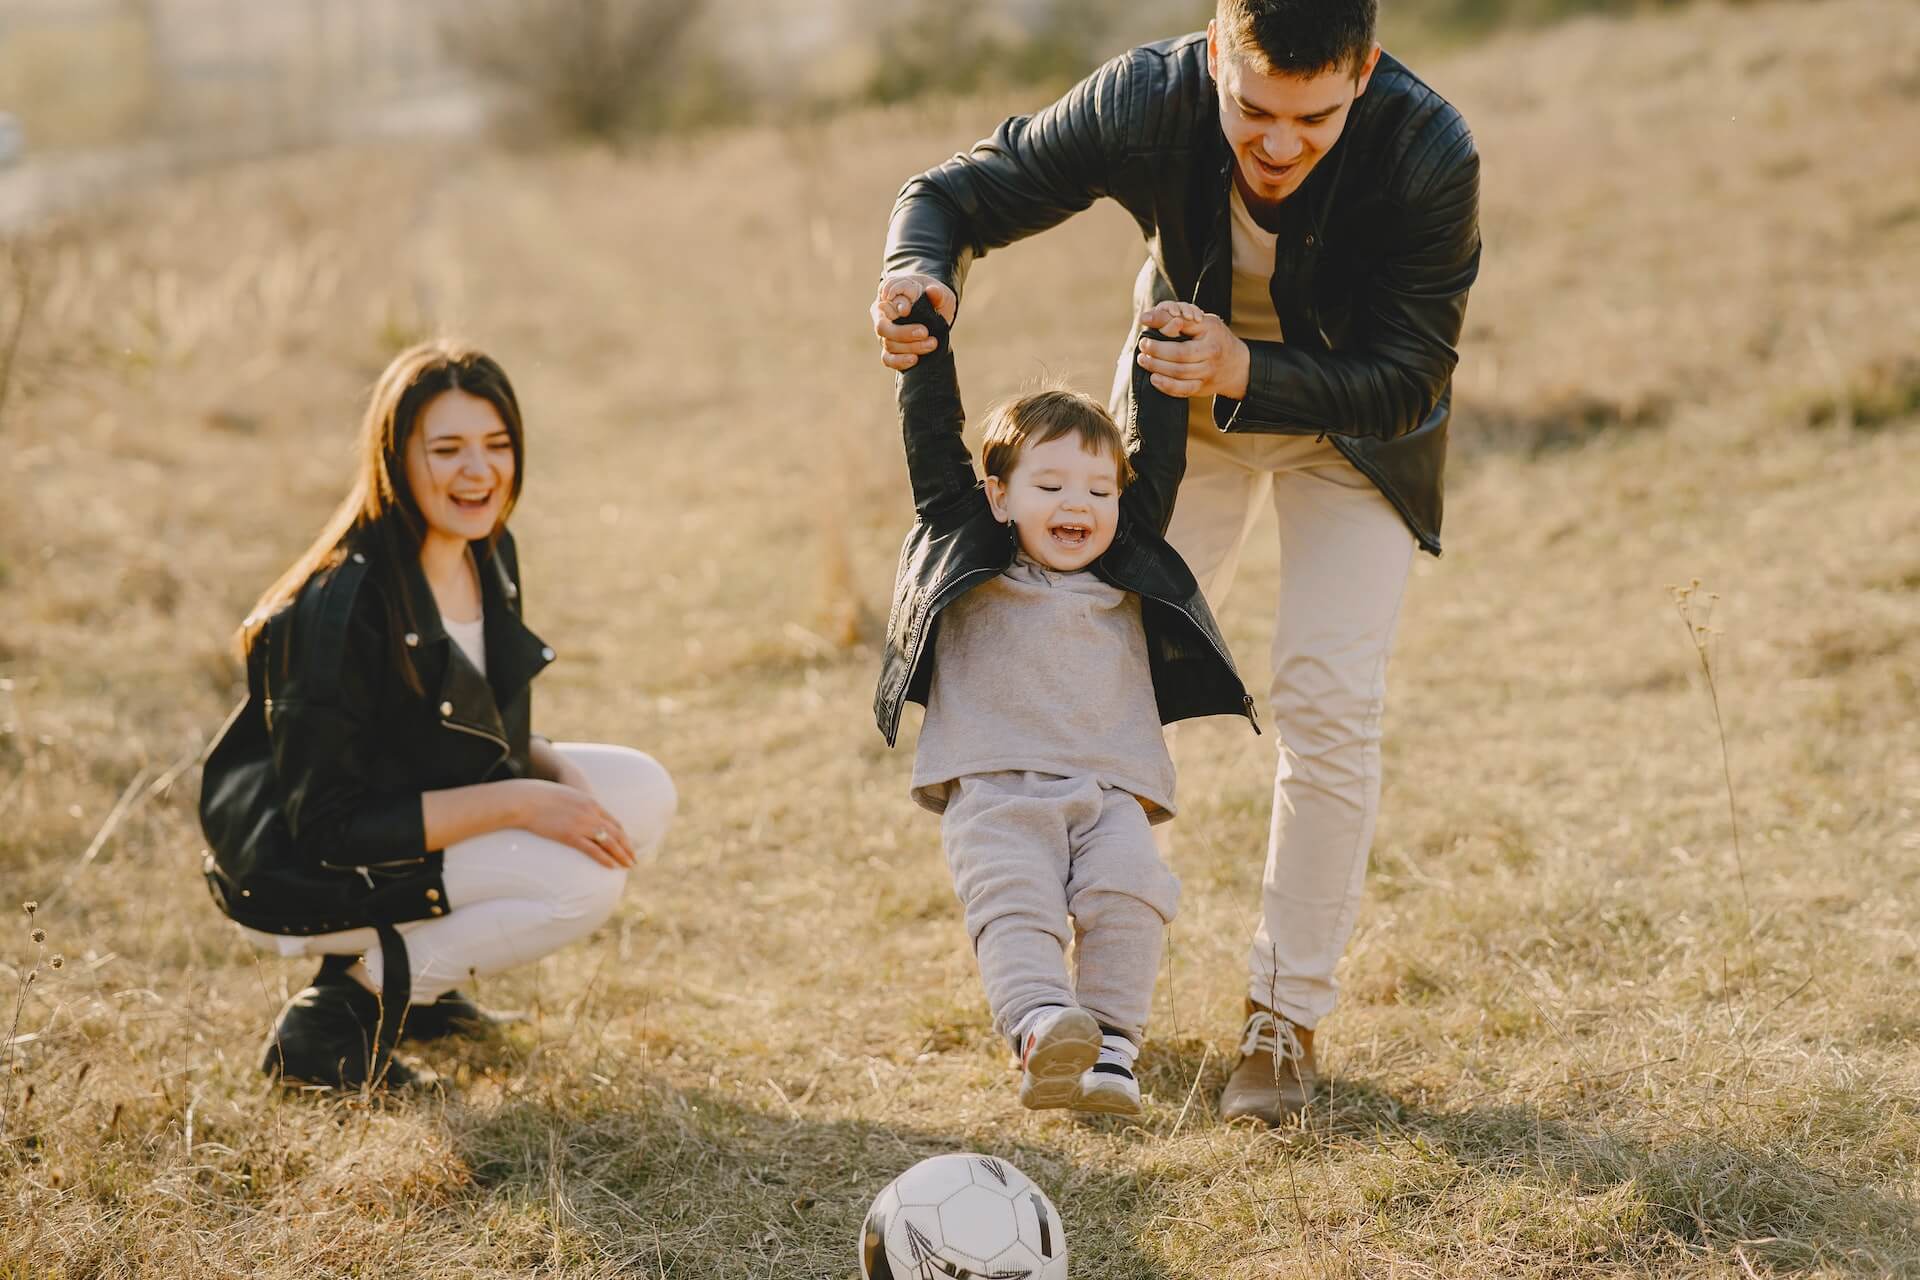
{"x":1246,"y":699}
{"x":1213,"y":247}
{"x":919,"y":643}
{"x":499,"y":742}
{"x":365,"y":870}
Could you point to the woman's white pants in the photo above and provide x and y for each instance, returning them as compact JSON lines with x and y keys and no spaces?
{"x":513,"y":896}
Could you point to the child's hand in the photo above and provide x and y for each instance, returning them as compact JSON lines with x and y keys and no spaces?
{"x":1174,"y":318}
{"x":902,"y":345}
{"x":1212,"y":361}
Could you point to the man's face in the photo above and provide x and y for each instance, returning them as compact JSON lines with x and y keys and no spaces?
{"x":1280,"y":126}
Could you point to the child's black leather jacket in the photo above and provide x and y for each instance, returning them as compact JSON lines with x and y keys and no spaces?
{"x":310,"y":800}
{"x":957,"y":544}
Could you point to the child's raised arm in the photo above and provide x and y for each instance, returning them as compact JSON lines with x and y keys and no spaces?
{"x":1156,"y":426}
{"x":931,"y":419}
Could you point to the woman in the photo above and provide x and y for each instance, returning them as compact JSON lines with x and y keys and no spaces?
{"x":378,"y":799}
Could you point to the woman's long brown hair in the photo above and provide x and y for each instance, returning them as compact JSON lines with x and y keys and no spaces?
{"x":380,"y":510}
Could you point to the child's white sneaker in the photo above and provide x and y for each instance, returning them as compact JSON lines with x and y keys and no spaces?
{"x":1109,"y":1087}
{"x":1057,"y":1046}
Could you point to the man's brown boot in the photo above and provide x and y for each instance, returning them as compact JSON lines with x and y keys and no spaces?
{"x":1276,"y":1075}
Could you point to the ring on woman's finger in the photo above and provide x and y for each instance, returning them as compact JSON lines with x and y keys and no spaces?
{"x":600,"y":836}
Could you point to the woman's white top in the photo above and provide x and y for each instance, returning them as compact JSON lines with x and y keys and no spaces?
{"x":472,"y":639}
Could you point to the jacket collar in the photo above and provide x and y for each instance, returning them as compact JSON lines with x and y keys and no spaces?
{"x":1140,"y":561}
{"x":515,"y":655}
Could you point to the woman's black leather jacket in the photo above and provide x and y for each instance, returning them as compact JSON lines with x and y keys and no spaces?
{"x":956,"y":544}
{"x":310,"y":800}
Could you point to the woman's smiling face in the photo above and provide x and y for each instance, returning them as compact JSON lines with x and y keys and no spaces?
{"x":460,"y":466}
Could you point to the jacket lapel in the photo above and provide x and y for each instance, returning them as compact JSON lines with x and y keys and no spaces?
{"x":515,"y":655}
{"x":1213,"y":291}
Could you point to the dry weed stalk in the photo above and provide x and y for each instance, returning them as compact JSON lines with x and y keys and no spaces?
{"x":16,"y":270}
{"x":12,"y":1067}
{"x":1696,"y":614}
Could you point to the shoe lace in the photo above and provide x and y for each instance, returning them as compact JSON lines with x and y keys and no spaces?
{"x":1274,"y":1034}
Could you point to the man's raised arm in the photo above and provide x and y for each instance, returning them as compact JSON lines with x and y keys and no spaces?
{"x":1033,"y":173}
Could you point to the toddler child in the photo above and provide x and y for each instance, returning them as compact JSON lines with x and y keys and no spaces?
{"x":1049,"y":630}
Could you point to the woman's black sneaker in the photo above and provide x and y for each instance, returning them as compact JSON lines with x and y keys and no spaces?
{"x":453,"y":1014}
{"x":327,"y":1034}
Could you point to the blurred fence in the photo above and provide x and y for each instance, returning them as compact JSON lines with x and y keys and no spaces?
{"x":107,"y":72}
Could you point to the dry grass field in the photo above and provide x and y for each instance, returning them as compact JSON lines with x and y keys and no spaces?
{"x":1584,"y":1033}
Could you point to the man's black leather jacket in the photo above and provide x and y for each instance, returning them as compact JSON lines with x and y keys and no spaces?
{"x":956,"y":544}
{"x":1376,"y":249}
{"x":310,"y":800}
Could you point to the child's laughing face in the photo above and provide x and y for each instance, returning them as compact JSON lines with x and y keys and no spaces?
{"x":1063,"y":501}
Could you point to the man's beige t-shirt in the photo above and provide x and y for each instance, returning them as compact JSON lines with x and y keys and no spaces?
{"x":1254,"y":319}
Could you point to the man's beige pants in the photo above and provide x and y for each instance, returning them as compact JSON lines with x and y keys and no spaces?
{"x":1344,"y":558}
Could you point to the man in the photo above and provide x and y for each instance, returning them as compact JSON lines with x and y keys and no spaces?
{"x":1321,"y":204}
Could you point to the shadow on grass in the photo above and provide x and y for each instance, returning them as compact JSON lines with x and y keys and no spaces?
{"x":1185,"y":1072}
{"x":1591,"y":1188}
{"x":649,"y":1180}
{"x":636,"y":1177}
{"x":1704,"y":1191}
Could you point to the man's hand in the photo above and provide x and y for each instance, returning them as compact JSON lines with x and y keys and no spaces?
{"x":902,"y":345}
{"x":1212,"y":362}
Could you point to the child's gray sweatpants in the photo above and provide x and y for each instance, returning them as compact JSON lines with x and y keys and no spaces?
{"x":1027,"y":850}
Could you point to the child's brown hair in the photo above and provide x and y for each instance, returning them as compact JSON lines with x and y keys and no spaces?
{"x":1047,"y":415}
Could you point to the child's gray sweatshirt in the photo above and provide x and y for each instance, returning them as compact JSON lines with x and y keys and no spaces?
{"x":1043,"y":672}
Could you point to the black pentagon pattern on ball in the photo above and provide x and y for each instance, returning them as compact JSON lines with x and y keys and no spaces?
{"x":923,"y":1251}
{"x":927,"y":1260}
{"x":1040,"y":1214}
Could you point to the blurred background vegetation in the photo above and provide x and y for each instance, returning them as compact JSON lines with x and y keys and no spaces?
{"x":255,"y":75}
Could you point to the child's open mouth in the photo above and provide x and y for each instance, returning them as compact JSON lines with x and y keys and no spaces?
{"x":1070,"y":535}
{"x":471,"y":503}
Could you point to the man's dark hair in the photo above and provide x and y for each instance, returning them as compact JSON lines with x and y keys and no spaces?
{"x":1299,"y":37}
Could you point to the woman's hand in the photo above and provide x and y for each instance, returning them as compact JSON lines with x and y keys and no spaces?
{"x":1212,"y":362}
{"x":902,"y":345}
{"x":571,"y":816}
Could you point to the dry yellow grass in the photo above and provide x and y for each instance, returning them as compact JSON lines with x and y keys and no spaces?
{"x":1566,"y":1048}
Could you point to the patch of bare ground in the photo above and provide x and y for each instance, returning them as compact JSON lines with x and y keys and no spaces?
{"x":1570,"y":1044}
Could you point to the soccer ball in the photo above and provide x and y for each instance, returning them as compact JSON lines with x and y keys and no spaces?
{"x":963,"y":1217}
